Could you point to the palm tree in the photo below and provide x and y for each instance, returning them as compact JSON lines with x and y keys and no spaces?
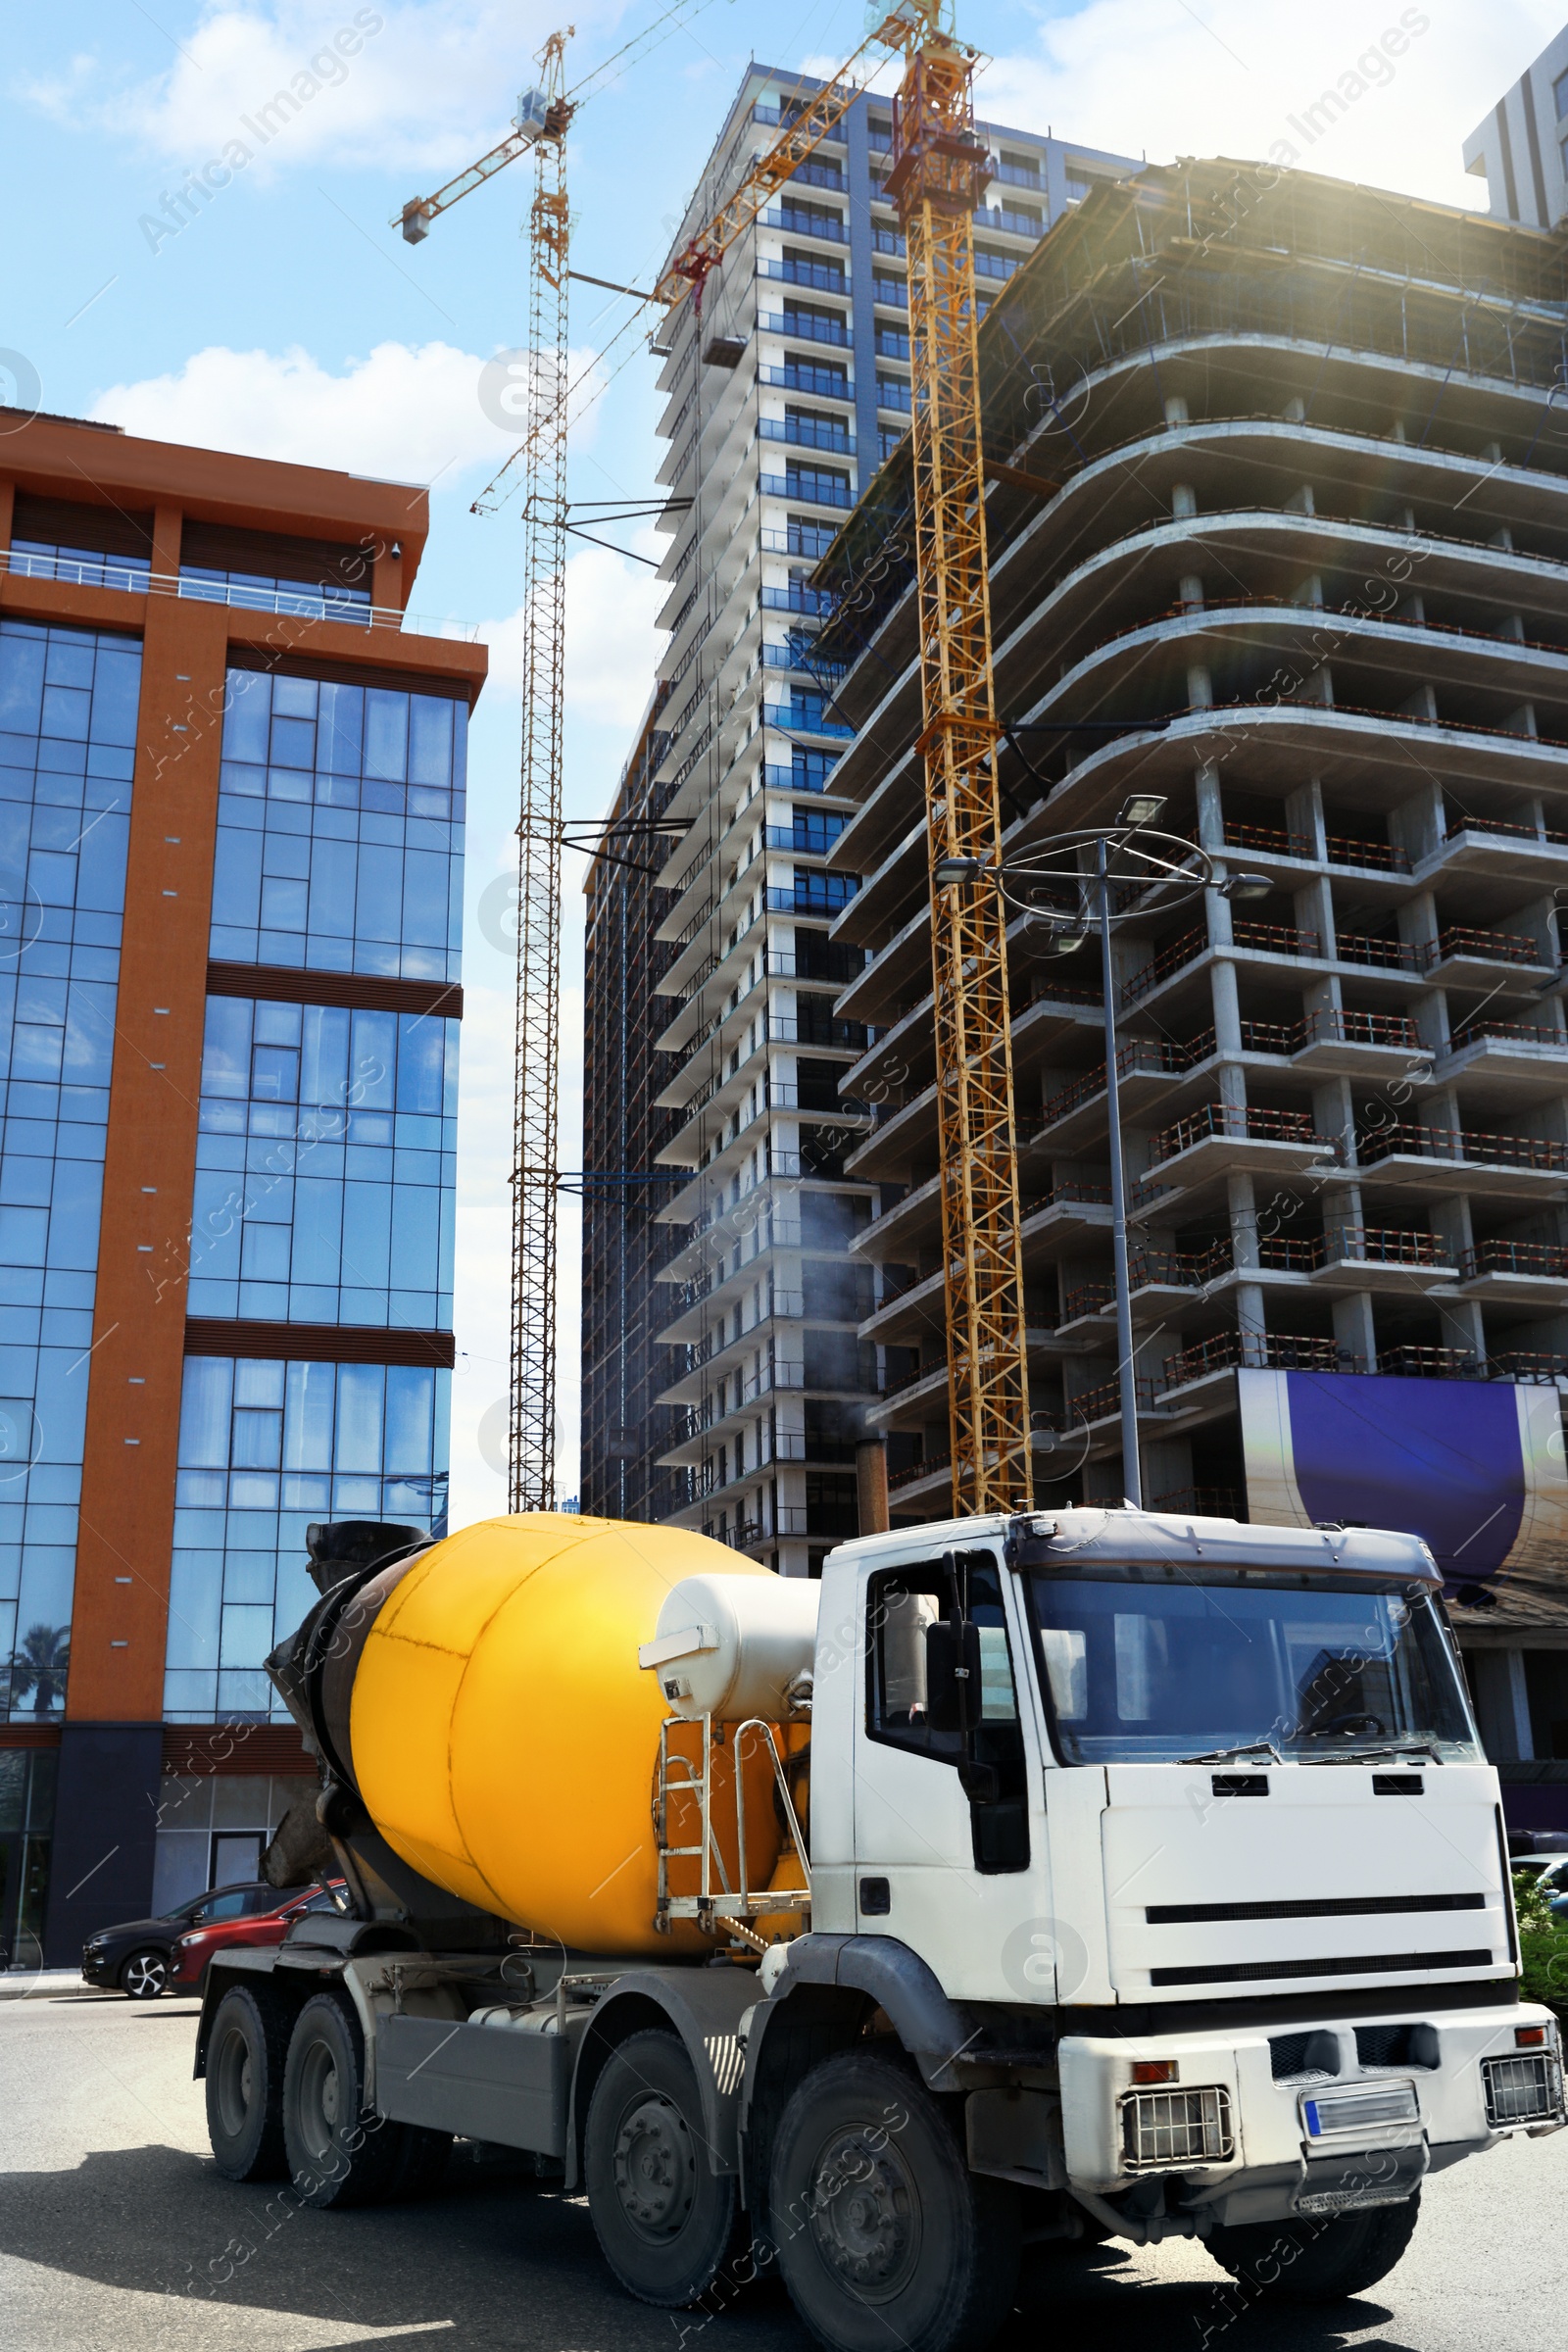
{"x":40,"y":1665}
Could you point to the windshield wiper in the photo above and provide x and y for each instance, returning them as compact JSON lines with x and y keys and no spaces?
{"x":1229,"y":1755}
{"x":1372,"y":1755}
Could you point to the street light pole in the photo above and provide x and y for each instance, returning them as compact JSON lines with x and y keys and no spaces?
{"x":1130,"y":1473}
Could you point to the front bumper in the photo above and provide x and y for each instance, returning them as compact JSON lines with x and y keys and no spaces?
{"x":98,"y":1969}
{"x":1341,"y":2130}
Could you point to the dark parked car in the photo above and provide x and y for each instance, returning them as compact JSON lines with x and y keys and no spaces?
{"x":137,"y":1957}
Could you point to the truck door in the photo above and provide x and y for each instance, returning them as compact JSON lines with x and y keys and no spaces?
{"x":949,"y":1831}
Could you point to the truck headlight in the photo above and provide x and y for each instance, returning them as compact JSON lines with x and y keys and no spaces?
{"x":1526,"y":2088}
{"x":1165,"y":2128}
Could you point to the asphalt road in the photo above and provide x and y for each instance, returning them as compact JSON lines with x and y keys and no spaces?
{"x":115,"y":2236}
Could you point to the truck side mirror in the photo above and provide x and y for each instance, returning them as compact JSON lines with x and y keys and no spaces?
{"x":952,"y":1675}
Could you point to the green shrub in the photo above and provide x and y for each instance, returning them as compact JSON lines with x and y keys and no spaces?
{"x":1543,"y":1943}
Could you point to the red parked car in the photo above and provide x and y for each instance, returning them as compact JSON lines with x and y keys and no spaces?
{"x":219,"y":1929}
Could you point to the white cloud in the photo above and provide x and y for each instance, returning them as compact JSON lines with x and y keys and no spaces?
{"x":429,"y":84}
{"x":406,"y":413}
{"x":611,"y":642}
{"x":1225,"y":77}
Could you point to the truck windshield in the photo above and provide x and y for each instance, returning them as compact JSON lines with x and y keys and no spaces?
{"x":1155,"y":1673}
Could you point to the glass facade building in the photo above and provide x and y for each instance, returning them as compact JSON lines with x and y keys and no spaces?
{"x":231,"y":825}
{"x":68,"y":729}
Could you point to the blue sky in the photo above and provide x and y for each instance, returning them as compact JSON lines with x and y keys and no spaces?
{"x":288,"y":320}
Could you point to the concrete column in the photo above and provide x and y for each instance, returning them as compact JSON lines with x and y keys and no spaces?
{"x":1241,"y":1201}
{"x":1353,"y":1328}
{"x":1227,"y":1005}
{"x":1417,"y":825}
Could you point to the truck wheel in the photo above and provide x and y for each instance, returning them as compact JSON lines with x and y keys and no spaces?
{"x":664,"y":2219}
{"x":1305,"y":2261}
{"x":883,"y":2234}
{"x":339,"y":2152}
{"x":246,"y":2054}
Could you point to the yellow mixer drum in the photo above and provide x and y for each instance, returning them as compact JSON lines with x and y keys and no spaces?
{"x":505,"y":1740}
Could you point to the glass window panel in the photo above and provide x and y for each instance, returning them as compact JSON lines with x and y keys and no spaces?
{"x":340,"y":729}
{"x":429,"y":739}
{"x":204,"y":1415}
{"x":259,"y":1382}
{"x":309,"y":1391}
{"x":386,"y":735}
{"x":410,"y":1398}
{"x":294,"y":698}
{"x":360,"y":1389}
{"x":226,"y":1046}
{"x":376,"y":1054}
{"x":245,"y":723}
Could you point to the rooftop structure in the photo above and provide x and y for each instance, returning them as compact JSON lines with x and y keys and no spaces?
{"x":1518,"y":148}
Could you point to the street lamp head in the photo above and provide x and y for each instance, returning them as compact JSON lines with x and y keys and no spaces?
{"x":1057,"y":939}
{"x":949,"y":872}
{"x":1141,"y":809}
{"x":1245,"y":886}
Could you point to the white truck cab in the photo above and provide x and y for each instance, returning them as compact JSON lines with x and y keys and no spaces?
{"x":1217,"y":1833}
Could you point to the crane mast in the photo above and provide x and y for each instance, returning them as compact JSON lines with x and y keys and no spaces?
{"x":531,"y":1451}
{"x":935,"y":184}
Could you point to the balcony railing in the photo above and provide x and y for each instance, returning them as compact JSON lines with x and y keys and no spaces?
{"x":815,"y":274}
{"x":1255,"y":1350}
{"x":1346,"y":850}
{"x":1505,"y":826}
{"x":1491,"y":947}
{"x":1404,"y":1139}
{"x":1017,"y":224}
{"x":1522,"y":1033}
{"x":827,"y":383}
{"x":1544,"y":1258}
{"x":800,"y":719}
{"x":798,"y":223}
{"x":808,"y":433}
{"x":1235,"y":1120}
{"x":1387,"y":955}
{"x":1378,"y":1245}
{"x":1150,"y":1055}
{"x":821,"y":490}
{"x":1430,"y":1363}
{"x":1099,"y":1402}
{"x":807,"y":329}
{"x":1013,"y":176}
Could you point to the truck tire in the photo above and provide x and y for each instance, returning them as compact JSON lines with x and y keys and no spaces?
{"x":883,"y":2234}
{"x":1304,"y":2261}
{"x":340,"y":2152}
{"x":666,"y":2221}
{"x":247,"y":2051}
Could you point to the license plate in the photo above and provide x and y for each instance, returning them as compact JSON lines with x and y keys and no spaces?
{"x":1372,"y":2103}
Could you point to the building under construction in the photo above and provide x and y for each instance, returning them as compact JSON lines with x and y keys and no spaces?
{"x":625,"y":1248}
{"x":1279,"y":535}
{"x":713,"y":1054}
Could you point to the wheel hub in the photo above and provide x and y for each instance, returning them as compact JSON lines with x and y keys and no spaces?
{"x":656,"y":2168}
{"x":866,"y":2214}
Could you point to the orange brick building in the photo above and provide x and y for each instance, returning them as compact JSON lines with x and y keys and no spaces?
{"x":232,"y":805}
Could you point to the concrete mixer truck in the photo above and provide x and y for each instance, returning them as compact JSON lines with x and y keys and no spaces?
{"x":1083,"y":1874}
